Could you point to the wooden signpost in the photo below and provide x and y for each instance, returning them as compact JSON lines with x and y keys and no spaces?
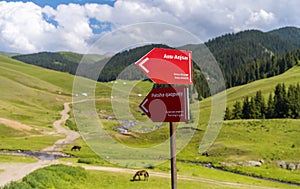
{"x":171,"y":104}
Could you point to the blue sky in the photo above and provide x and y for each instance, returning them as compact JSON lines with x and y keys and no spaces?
{"x":55,"y":3}
{"x":74,"y":25}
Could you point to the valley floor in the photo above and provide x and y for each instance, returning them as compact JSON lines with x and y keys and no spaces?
{"x":16,"y":171}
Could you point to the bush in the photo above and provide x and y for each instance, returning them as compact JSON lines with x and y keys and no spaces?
{"x":71,"y":125}
{"x":55,"y":176}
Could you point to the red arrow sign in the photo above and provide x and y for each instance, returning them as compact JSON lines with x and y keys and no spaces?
{"x":169,"y":104}
{"x":167,"y":66}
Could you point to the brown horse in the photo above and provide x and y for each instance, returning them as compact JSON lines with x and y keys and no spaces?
{"x":141,"y":173}
{"x":76,"y":148}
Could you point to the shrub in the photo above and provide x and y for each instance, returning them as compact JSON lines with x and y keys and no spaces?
{"x":54,"y":176}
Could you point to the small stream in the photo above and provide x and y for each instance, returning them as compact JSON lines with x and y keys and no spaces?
{"x":37,"y":154}
{"x":210,"y":165}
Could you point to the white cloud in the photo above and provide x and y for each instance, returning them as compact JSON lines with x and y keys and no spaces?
{"x":27,"y":27}
{"x":100,"y":12}
{"x":260,"y":18}
{"x":130,"y":12}
{"x":143,"y":33}
{"x":22,"y":26}
{"x":73,"y":27}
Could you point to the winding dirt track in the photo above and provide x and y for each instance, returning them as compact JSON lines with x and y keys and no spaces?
{"x":71,"y":136}
{"x":16,"y":171}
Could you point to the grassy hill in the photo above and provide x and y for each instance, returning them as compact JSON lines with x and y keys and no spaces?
{"x":267,"y":85}
{"x":31,"y":94}
{"x":240,"y":141}
{"x":8,"y":54}
{"x":59,"y":61}
{"x":34,"y":96}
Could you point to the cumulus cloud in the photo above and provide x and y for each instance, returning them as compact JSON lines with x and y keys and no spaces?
{"x":100,"y":12}
{"x":22,"y":26}
{"x":27,"y":27}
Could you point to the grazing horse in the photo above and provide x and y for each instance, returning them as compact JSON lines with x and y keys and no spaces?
{"x":141,"y":173}
{"x":76,"y":148}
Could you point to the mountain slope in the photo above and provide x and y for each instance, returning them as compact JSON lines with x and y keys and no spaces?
{"x":30,"y":94}
{"x":8,"y":54}
{"x":243,"y":57}
{"x":290,"y":34}
{"x":246,"y":46}
{"x":60,"y":61}
{"x":267,"y":85}
{"x":240,"y":55}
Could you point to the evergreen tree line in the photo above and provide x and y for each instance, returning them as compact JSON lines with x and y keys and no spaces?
{"x":262,"y":68}
{"x":242,"y":58}
{"x":51,"y":60}
{"x":282,"y":103}
{"x":252,"y":54}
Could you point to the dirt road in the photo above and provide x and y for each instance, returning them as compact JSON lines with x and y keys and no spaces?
{"x":16,"y":171}
{"x":71,"y":136}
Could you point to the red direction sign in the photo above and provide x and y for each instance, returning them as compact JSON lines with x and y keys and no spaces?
{"x":167,"y":66}
{"x":169,"y":104}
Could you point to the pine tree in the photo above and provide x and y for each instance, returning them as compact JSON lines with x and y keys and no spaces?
{"x":228,"y":115}
{"x":293,"y":101}
{"x":246,"y":111}
{"x":259,"y":105}
{"x":297,"y":101}
{"x":237,"y":110}
{"x":280,"y":102}
{"x":270,"y":107}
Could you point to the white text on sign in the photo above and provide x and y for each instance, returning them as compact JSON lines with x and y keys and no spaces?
{"x":181,"y":76}
{"x":162,"y":95}
{"x":177,"y":57}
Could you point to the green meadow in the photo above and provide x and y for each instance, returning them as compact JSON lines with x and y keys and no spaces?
{"x":34,"y":96}
{"x":67,"y":177}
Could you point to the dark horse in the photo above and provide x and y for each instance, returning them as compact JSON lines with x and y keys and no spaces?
{"x":141,"y":173}
{"x":76,"y":148}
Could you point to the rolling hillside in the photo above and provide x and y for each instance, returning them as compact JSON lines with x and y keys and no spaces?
{"x":243,"y":57}
{"x":292,"y":76}
{"x":59,"y":61}
{"x":241,"y":141}
{"x":252,"y":54}
{"x":30,"y":94}
{"x":246,"y":46}
{"x":45,"y":90}
{"x":34,"y":96}
{"x":8,"y":54}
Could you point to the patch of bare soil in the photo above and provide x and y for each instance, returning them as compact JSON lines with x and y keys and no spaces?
{"x":15,"y":124}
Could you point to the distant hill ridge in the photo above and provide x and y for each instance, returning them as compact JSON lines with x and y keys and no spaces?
{"x":256,"y":51}
{"x":59,"y":61}
{"x":250,"y":45}
{"x":243,"y":57}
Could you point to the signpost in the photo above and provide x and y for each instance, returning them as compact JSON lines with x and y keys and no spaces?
{"x":167,"y":66}
{"x":171,"y":104}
